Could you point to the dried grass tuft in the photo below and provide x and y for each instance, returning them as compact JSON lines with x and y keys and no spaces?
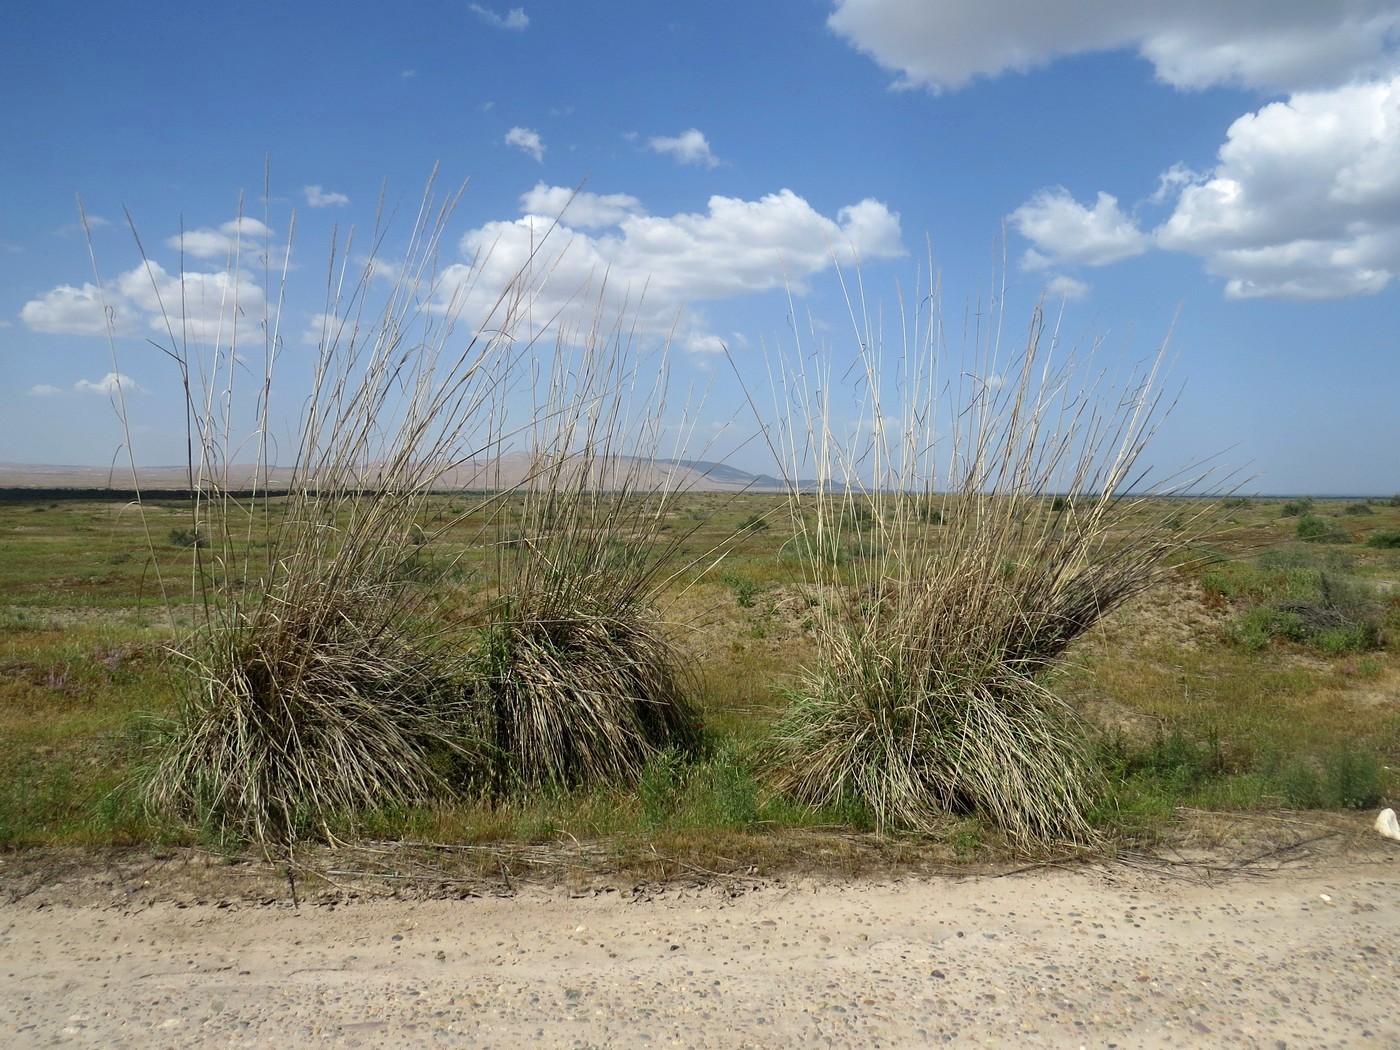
{"x":977,"y":523}
{"x":580,"y":681}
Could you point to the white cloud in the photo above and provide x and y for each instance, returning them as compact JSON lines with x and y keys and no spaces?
{"x":583,"y":210}
{"x":700,"y":344}
{"x":94,"y":222}
{"x":1262,"y":44}
{"x":317,"y":197}
{"x":1302,"y":203}
{"x":526,"y":140}
{"x":107,"y":386}
{"x":689,"y":147}
{"x":1304,"y":198}
{"x":651,"y":266}
{"x":1066,"y":232}
{"x":74,"y":311}
{"x":243,"y":236}
{"x":515,"y":18}
{"x":223,"y":307}
{"x":1062,"y":286}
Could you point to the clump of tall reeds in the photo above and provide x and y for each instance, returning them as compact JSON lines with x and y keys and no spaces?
{"x":964,"y":533}
{"x":579,"y":681}
{"x":316,"y":684}
{"x":325,"y":673}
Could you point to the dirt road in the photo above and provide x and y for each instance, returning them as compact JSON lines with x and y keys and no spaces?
{"x":1097,"y":956}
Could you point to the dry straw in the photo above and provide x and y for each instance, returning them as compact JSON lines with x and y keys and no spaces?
{"x":324,"y":674}
{"x":315,"y":683}
{"x":580,"y":681}
{"x":979,"y":512}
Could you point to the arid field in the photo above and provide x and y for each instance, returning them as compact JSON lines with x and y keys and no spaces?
{"x":1244,"y":718}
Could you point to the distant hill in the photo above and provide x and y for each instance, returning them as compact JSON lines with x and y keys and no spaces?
{"x":508,"y":471}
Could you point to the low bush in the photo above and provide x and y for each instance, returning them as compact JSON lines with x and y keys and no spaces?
{"x":1387,"y":540}
{"x":187,"y":538}
{"x":928,"y":695}
{"x":1312,"y":529}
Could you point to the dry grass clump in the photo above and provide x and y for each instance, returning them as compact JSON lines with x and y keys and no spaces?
{"x":956,"y":582}
{"x":315,"y":683}
{"x":317,"y":715}
{"x":580,"y":681}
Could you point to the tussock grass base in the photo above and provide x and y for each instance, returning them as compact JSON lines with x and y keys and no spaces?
{"x":289,"y":726}
{"x":914,"y":743}
{"x":580,"y":695}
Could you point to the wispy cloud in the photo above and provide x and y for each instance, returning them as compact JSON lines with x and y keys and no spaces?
{"x":515,"y":18}
{"x":527,"y":141}
{"x":319,"y":197}
{"x":107,"y":385}
{"x":689,"y":147}
{"x":94,"y":222}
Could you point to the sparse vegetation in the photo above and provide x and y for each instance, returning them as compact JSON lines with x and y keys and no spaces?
{"x":988,"y":635}
{"x":927,"y":697}
{"x":1312,"y":529}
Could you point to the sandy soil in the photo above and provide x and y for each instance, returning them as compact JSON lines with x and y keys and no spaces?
{"x":1097,"y":956}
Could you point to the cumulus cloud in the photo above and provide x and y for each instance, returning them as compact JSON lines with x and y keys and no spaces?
{"x":1064,"y":231}
{"x":69,"y":310}
{"x":689,"y":147}
{"x":220,"y":307}
{"x":1062,"y":286}
{"x":1192,"y":44}
{"x":650,"y":266}
{"x":108,"y":385}
{"x":318,"y":197}
{"x":241,"y":236}
{"x":515,"y":18}
{"x":1302,"y":203}
{"x":583,"y":210}
{"x":1303,"y":200}
{"x":526,"y":140}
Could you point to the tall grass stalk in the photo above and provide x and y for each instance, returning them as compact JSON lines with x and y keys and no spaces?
{"x":580,"y":679}
{"x":952,"y":578}
{"x":316,"y":684}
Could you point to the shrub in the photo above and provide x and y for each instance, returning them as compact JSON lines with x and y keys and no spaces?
{"x":306,"y":703}
{"x":187,"y":538}
{"x":1297,"y":507}
{"x":1388,"y":540}
{"x":307,"y":718}
{"x":1352,"y":778}
{"x":1312,"y":529}
{"x":579,"y":682}
{"x":1359,"y":509}
{"x":314,"y":683}
{"x":1326,"y":610}
{"x":927,"y":695}
{"x":580,"y":694}
{"x":744,"y":588}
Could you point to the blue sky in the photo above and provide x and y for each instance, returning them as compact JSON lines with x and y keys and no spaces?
{"x":1235,"y":167}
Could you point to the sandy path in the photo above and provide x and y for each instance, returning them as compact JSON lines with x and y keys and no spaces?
{"x":1091,"y":957}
